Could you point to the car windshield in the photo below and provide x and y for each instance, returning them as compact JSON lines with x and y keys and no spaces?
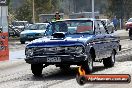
{"x":36,"y":27}
{"x":130,"y":20}
{"x":71,"y":26}
{"x":19,"y":23}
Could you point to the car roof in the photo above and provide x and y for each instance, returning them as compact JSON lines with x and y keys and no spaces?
{"x":92,"y":19}
{"x":104,"y":19}
{"x":82,"y":19}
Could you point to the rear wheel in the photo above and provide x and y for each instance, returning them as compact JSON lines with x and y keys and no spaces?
{"x":37,"y":69}
{"x":130,"y":34}
{"x":88,"y":65}
{"x":110,"y":61}
{"x":130,"y":37}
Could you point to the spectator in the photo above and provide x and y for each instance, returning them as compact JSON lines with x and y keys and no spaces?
{"x":115,"y":22}
{"x":57,"y":16}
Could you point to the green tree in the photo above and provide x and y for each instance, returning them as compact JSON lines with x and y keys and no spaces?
{"x":24,"y":12}
{"x":41,"y":7}
{"x":120,"y":8}
{"x":8,"y":2}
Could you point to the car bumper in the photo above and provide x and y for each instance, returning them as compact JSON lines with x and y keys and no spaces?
{"x":65,"y":59}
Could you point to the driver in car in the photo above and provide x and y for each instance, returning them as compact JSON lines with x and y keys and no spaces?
{"x":63,"y":27}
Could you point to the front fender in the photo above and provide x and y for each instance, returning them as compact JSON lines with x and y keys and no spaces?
{"x":88,"y":48}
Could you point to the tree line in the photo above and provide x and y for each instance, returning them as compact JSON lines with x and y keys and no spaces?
{"x":25,"y":12}
{"x":120,"y":8}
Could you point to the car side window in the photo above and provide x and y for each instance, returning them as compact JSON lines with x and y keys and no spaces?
{"x":97,"y":28}
{"x":42,"y":27}
{"x":101,"y":27}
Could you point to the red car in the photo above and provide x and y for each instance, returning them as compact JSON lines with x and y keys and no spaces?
{"x":128,"y":24}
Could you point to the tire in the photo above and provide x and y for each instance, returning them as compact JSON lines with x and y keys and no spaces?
{"x":37,"y":69}
{"x":81,"y":80}
{"x":130,"y":34}
{"x":130,"y":37}
{"x":22,"y":42}
{"x":110,"y":61}
{"x":88,"y":65}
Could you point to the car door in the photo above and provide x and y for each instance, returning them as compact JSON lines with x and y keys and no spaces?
{"x":106,"y":40}
{"x":99,"y":41}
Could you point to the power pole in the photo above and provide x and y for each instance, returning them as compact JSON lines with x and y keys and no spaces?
{"x":33,"y":12}
{"x":93,"y":16}
{"x":69,"y":6}
{"x":74,"y":5}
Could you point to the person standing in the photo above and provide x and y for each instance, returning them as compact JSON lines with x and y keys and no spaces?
{"x":115,"y":22}
{"x":57,"y":16}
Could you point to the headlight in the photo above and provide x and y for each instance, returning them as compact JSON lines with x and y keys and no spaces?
{"x":79,"y":49}
{"x":29,"y":52}
{"x":76,"y":49}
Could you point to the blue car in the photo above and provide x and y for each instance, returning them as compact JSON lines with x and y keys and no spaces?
{"x":33,"y":31}
{"x":73,"y":42}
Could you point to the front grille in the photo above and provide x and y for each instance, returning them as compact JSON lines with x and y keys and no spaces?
{"x":42,"y":51}
{"x":53,"y":51}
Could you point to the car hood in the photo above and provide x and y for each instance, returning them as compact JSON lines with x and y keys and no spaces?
{"x":32,"y":31}
{"x":69,"y":40}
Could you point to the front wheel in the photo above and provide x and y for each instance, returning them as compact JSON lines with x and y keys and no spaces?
{"x":88,"y":65}
{"x":37,"y":69}
{"x":110,"y":61}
